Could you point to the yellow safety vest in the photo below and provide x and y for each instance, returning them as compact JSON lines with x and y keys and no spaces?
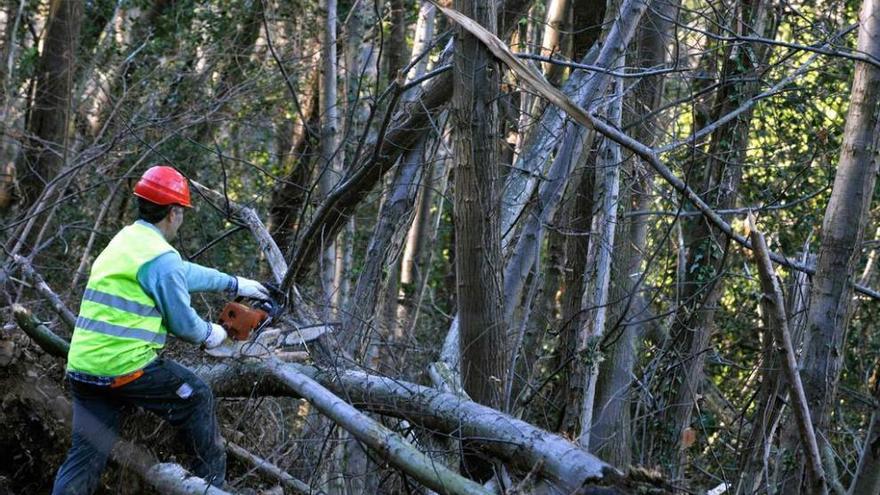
{"x":119,"y":328}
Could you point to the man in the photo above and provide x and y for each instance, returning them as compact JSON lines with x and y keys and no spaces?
{"x":138,"y":292}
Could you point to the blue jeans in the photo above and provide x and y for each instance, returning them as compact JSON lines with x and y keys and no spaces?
{"x":166,"y":389}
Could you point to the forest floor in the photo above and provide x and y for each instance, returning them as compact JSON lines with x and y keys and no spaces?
{"x":35,"y":411}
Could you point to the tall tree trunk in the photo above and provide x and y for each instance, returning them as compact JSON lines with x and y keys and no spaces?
{"x":395,"y":215}
{"x":9,"y":147}
{"x":614,"y":45}
{"x":598,"y":269}
{"x":331,"y":154}
{"x":296,"y":151}
{"x":575,"y":219}
{"x":396,"y":48}
{"x":707,"y":248}
{"x":842,"y":231}
{"x":477,"y":235}
{"x":612,"y":429}
{"x":51,"y":112}
{"x":440,"y":184}
{"x":524,"y":259}
{"x":412,"y":265}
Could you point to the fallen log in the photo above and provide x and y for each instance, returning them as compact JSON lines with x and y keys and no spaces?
{"x":567,"y":467}
{"x":384,"y":441}
{"x":563,"y":464}
{"x":292,"y":381}
{"x":39,"y":333}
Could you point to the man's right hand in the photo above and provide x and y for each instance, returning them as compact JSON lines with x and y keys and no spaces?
{"x":216,"y":337}
{"x":252,"y":289}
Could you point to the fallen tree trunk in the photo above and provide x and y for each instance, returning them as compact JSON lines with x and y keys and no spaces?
{"x":384,"y":441}
{"x":294,"y":380}
{"x":500,"y":435}
{"x":567,"y":467}
{"x":45,"y":338}
{"x":43,"y":288}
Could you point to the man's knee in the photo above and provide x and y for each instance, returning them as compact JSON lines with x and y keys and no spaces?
{"x":202,"y":395}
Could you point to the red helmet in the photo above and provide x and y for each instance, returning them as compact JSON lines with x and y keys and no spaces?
{"x":163,"y":185}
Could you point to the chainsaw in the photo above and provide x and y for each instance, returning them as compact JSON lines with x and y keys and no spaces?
{"x":245,"y":319}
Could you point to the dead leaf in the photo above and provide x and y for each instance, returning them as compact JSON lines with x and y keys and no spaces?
{"x":688,"y":438}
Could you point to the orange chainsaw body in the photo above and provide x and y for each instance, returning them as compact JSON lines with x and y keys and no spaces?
{"x":240,"y":320}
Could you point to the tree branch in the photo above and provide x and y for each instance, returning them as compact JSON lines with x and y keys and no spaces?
{"x":645,"y":152}
{"x":774,"y":303}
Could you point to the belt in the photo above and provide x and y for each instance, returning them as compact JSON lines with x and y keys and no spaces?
{"x":121,"y":380}
{"x":106,"y":381}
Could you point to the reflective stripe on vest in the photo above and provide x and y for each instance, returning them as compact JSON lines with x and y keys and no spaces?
{"x":119,"y":328}
{"x":120,"y":331}
{"x":120,"y":303}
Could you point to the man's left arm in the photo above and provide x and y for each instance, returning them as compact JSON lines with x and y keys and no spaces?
{"x":165,"y":280}
{"x":203,"y":279}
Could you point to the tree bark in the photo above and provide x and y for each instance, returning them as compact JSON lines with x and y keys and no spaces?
{"x":361,"y":318}
{"x":598,"y":267}
{"x":330,"y":157}
{"x":477,"y":190}
{"x":551,"y":44}
{"x":397,"y":49}
{"x":611,"y":435}
{"x":842,"y":230}
{"x":574,"y":220}
{"x":51,"y":113}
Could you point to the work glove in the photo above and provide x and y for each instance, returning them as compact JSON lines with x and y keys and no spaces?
{"x":216,"y":337}
{"x":252,"y":289}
